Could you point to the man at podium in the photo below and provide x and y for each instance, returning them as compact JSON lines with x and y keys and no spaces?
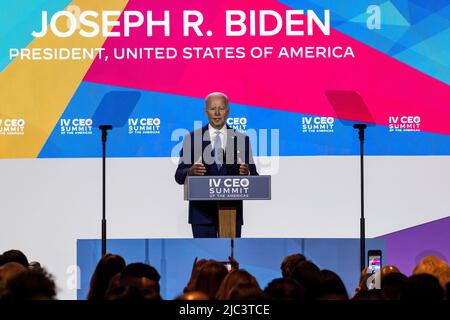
{"x":215,"y":149}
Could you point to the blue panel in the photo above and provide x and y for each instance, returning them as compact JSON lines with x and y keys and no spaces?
{"x":173,"y":258}
{"x":172,"y":112}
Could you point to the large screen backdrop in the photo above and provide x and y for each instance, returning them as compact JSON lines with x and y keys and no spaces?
{"x":393,"y":54}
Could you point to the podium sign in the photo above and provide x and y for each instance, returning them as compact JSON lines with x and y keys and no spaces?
{"x":228,"y":188}
{"x":224,"y":190}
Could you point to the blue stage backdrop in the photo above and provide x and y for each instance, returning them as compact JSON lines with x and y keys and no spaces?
{"x":173,"y":258}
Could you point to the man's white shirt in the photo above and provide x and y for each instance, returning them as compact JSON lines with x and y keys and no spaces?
{"x":213,"y":133}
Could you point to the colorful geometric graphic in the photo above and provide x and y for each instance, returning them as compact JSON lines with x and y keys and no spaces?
{"x":394,"y":54}
{"x":38,"y":92}
{"x":399,"y":70}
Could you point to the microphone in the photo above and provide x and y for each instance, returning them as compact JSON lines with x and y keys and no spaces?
{"x":235,"y":164}
{"x":235,"y":157}
{"x":222,"y":156}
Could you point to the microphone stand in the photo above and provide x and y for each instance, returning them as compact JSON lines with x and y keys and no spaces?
{"x":104,"y":129}
{"x":362,"y":238}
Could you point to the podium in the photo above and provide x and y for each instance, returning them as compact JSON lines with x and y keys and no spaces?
{"x":226,"y":190}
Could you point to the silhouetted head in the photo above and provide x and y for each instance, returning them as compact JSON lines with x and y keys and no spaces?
{"x":8,"y":271}
{"x":285,"y":289}
{"x":138,"y":289}
{"x":329,"y":286}
{"x":140,"y":270}
{"x":289,"y":263}
{"x":14,"y":256}
{"x":434,"y":266}
{"x":422,"y":287}
{"x":31,"y":285}
{"x":198,"y":264}
{"x":232,"y":279}
{"x":388,"y":270}
{"x":138,"y":281}
{"x":35,"y":265}
{"x":209,"y":278}
{"x":108,"y":266}
{"x":246,"y":291}
{"x":391,"y":285}
{"x":306,"y":274}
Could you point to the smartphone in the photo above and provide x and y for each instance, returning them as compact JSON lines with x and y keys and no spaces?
{"x":374,"y":261}
{"x":227,"y":265}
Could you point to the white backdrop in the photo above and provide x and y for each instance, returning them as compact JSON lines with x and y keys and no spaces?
{"x":47,"y":204}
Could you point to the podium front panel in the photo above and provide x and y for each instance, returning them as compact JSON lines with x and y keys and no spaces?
{"x":228,"y":188}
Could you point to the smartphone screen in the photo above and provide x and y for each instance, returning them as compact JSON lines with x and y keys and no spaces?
{"x":374,"y":263}
{"x":228,"y":265}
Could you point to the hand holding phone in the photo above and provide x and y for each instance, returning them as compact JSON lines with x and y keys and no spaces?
{"x":231,"y":264}
{"x":374,"y":263}
{"x":374,"y":266}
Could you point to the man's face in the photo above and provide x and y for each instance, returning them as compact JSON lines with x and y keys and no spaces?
{"x":217,"y":112}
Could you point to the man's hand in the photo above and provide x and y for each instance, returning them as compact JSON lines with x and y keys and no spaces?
{"x":243,"y":168}
{"x":197,"y":169}
{"x":234,"y":263}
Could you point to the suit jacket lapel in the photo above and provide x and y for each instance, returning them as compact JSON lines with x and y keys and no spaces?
{"x":206,"y":142}
{"x":229,"y":143}
{"x":205,"y":137}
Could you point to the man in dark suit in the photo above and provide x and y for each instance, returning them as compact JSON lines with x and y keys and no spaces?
{"x":215,"y":149}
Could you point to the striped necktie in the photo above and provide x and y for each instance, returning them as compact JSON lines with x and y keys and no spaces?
{"x":218,"y":150}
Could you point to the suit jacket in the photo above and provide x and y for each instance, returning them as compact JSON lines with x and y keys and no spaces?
{"x":197,"y":145}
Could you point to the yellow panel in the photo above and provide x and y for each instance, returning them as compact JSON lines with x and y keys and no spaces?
{"x":39,"y":91}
